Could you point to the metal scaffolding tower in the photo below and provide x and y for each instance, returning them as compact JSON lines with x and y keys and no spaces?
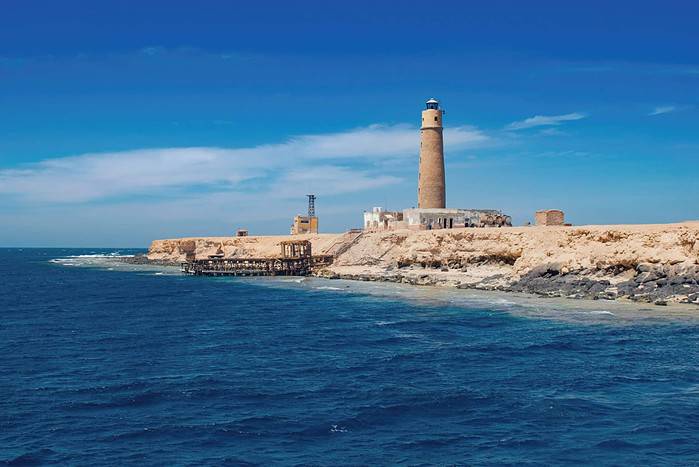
{"x":311,"y":206}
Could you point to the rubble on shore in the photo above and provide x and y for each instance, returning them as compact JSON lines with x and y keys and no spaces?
{"x":647,"y":284}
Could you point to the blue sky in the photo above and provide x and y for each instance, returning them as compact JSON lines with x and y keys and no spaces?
{"x":122,"y":122}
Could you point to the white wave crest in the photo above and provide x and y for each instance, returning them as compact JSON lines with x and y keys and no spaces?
{"x":601,"y":312}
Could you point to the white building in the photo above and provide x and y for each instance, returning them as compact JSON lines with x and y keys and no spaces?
{"x":437,"y":218}
{"x":380,"y":219}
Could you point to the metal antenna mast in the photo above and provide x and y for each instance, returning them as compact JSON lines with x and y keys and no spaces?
{"x":311,"y":206}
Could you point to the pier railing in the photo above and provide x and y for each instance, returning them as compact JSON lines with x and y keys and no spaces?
{"x":296,"y":259}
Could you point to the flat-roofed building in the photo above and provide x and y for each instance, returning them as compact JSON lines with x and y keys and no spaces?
{"x":304,"y":225}
{"x":549,"y":217}
{"x":428,"y":219}
{"x":380,"y":219}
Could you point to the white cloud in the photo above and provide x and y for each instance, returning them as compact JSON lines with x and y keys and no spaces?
{"x":152,"y":50}
{"x":665,"y":109}
{"x":544,"y":120}
{"x":328,"y":164}
{"x":552,"y":131}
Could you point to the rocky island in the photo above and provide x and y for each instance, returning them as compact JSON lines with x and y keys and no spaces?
{"x":648,"y":263}
{"x":469,"y":248}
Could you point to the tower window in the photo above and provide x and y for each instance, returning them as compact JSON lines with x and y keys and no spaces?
{"x":435,"y":119}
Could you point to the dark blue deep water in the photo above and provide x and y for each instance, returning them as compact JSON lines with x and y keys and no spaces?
{"x":115,"y":367}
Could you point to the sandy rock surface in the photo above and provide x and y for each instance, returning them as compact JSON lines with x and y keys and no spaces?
{"x":175,"y":250}
{"x":652,"y":263}
{"x":524,"y":248}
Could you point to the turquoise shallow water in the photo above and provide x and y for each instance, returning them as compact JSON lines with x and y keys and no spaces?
{"x":116,"y":365}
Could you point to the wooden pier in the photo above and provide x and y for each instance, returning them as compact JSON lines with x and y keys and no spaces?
{"x":296,"y":259}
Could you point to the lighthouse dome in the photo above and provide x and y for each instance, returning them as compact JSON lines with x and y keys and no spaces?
{"x":432,"y":103}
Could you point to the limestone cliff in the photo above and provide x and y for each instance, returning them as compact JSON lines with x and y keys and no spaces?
{"x":642,"y":262}
{"x":524,"y":248}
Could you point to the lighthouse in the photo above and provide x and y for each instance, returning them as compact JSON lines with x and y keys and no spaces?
{"x":432,"y":212}
{"x":431,"y":188}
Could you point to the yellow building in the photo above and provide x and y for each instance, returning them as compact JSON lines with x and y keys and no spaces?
{"x":304,"y":225}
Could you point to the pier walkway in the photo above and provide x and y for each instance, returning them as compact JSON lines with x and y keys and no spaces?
{"x":296,"y":259}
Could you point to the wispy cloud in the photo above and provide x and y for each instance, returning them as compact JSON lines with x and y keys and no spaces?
{"x":544,"y":120}
{"x":327,"y":163}
{"x":665,"y":109}
{"x":566,"y":153}
{"x":152,"y":50}
{"x":552,"y":131}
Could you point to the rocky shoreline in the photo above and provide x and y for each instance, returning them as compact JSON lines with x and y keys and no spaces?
{"x":142,"y":259}
{"x":656,"y":263}
{"x":646,"y":283}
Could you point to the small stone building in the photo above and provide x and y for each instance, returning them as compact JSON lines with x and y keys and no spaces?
{"x":304,"y":225}
{"x":549,"y":217}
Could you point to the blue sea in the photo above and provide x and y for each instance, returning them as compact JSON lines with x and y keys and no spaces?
{"x":103,"y":363}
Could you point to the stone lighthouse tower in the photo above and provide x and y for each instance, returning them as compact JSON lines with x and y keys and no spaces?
{"x":431,"y":191}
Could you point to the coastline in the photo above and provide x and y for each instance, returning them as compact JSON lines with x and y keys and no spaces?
{"x":526,"y":304}
{"x":544,"y":283}
{"x":656,"y":263}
